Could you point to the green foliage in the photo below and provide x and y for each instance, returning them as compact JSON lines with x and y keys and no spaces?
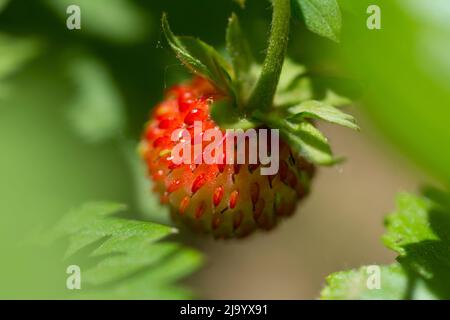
{"x":96,"y":111}
{"x":319,"y":110}
{"x":126,"y":258}
{"x":294,"y":86}
{"x":309,"y":141}
{"x":419,"y":231}
{"x":294,"y":114}
{"x":200,"y":58}
{"x":245,"y":68}
{"x":241,"y":3}
{"x":395,"y":285}
{"x":409,"y":79}
{"x":321,"y":16}
{"x":14,"y":54}
{"x":3,"y":4}
{"x":351,"y":285}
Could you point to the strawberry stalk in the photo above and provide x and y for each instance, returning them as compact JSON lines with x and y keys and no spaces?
{"x":263,"y":94}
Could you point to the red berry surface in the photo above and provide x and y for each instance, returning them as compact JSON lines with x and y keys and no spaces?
{"x":221,"y":199}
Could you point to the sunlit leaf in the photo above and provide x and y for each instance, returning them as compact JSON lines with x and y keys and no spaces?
{"x":321,"y":16}
{"x":200,"y":58}
{"x":3,"y":4}
{"x":319,"y":110}
{"x":129,"y":258}
{"x":294,"y":87}
{"x":244,"y":65}
{"x":15,"y":52}
{"x":419,"y":231}
{"x":357,"y":285}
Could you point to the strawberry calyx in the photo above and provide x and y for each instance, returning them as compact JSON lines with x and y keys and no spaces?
{"x":277,"y":94}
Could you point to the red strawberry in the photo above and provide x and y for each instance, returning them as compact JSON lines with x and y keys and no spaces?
{"x":225,"y":200}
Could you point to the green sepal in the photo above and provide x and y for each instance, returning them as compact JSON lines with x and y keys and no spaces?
{"x":303,"y":137}
{"x":245,"y":68}
{"x":201,"y":59}
{"x":319,"y":110}
{"x":309,"y":142}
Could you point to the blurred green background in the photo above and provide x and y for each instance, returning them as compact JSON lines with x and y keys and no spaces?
{"x":73,"y":104}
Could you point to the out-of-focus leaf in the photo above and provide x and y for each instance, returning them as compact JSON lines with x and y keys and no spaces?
{"x":96,"y":111}
{"x":241,"y":3}
{"x":394,"y":285}
{"x":335,"y":100}
{"x":238,"y":47}
{"x":146,"y":201}
{"x":115,"y":20}
{"x":408,"y":79}
{"x":294,"y":87}
{"x":291,"y":72}
{"x":321,"y":16}
{"x":200,"y":58}
{"x":15,"y":52}
{"x":3,"y":4}
{"x":244,"y":65}
{"x":419,"y":231}
{"x":131,"y":263}
{"x":352,"y":285}
{"x":319,"y":110}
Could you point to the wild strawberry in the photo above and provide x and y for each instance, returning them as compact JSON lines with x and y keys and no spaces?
{"x":223,"y":199}
{"x":233,"y":198}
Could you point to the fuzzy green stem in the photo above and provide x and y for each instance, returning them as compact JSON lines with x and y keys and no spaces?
{"x":266,"y":86}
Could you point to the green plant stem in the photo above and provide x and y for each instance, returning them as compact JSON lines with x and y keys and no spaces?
{"x":266,"y":86}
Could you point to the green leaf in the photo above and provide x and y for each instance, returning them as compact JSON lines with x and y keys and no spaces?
{"x":291,"y":72}
{"x":310,"y":142}
{"x":294,"y":87}
{"x":15,"y":53}
{"x":127,"y":258}
{"x":119,"y":21}
{"x":395,"y":284}
{"x":352,"y":285}
{"x":303,"y":137}
{"x":3,"y":4}
{"x":244,"y":65}
{"x":200,"y":58}
{"x":321,"y":16}
{"x":335,"y":100}
{"x":97,"y":111}
{"x":319,"y":110}
{"x":241,"y":3}
{"x":419,"y":231}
